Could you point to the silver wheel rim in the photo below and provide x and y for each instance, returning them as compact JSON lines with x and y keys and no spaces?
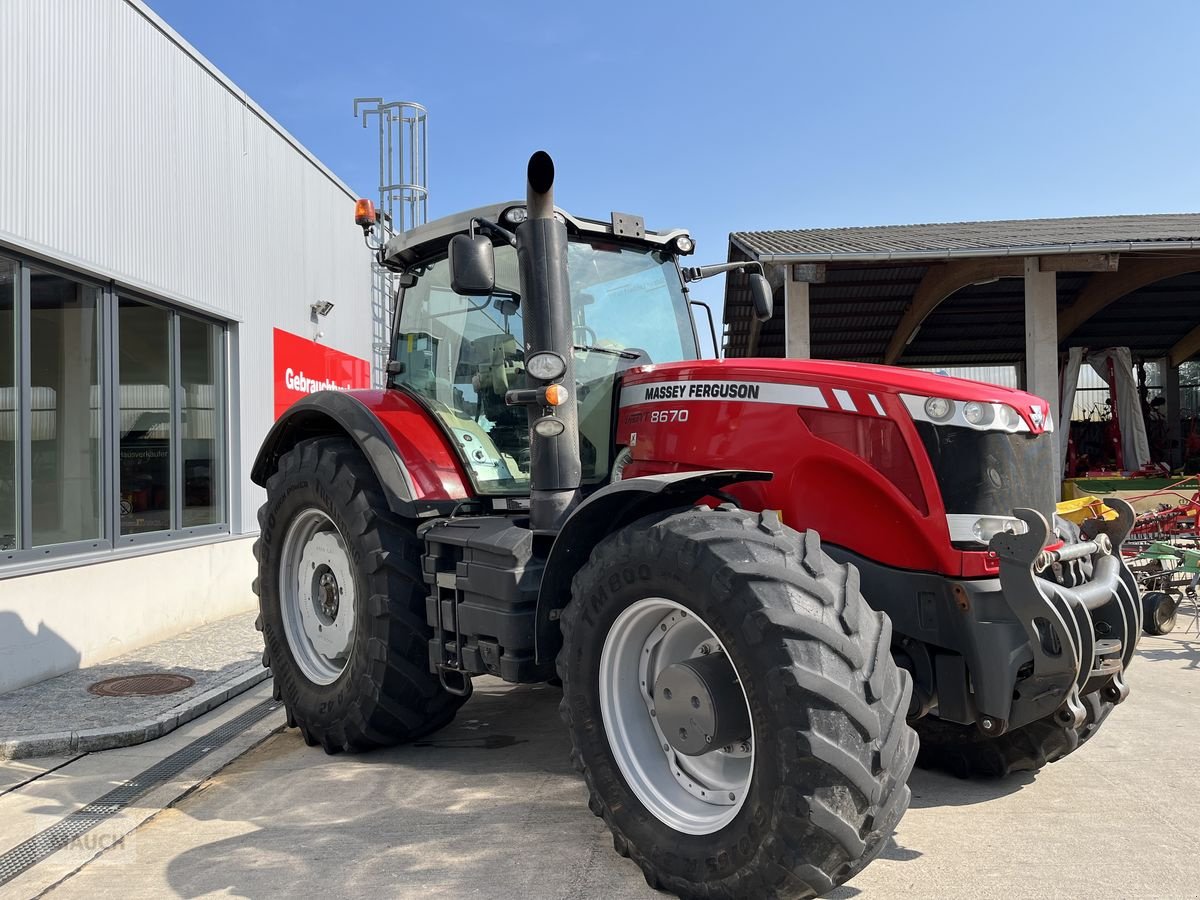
{"x":691,"y":794}
{"x":317,"y":596}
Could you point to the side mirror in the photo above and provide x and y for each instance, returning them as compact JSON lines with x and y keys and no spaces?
{"x":472,"y":265}
{"x":761,"y":296}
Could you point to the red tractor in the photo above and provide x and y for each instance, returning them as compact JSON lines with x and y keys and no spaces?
{"x":757,"y":580}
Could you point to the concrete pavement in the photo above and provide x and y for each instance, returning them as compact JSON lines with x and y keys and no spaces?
{"x":60,"y":716}
{"x":489,"y":807}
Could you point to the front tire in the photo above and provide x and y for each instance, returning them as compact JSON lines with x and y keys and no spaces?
{"x":964,"y":751}
{"x":342,"y":604}
{"x":829,"y":752}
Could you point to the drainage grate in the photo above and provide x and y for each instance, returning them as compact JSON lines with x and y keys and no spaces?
{"x":148,"y":685}
{"x":45,"y":843}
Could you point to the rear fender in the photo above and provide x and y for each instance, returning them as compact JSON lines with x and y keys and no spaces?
{"x":407,"y":452}
{"x":604,"y":512}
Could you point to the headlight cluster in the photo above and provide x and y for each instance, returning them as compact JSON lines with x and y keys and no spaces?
{"x":972,"y":529}
{"x":977,"y":414}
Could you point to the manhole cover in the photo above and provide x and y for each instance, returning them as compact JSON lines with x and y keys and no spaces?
{"x":141,"y":685}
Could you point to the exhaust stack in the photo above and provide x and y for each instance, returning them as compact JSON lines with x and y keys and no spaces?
{"x":555,"y":467}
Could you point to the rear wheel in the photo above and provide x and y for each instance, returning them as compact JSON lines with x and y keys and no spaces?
{"x":733,"y":706}
{"x":1158,"y":612}
{"x":963,"y":750}
{"x":342,"y":605}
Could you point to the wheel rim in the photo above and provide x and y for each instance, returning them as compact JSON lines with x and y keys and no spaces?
{"x":691,"y":794}
{"x":317,"y":597}
{"x":1164,"y":613}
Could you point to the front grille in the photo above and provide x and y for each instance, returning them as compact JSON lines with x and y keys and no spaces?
{"x":991,"y":472}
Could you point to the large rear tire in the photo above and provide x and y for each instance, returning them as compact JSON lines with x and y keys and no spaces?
{"x":963,"y":750}
{"x":342,"y":605}
{"x":817,"y":788}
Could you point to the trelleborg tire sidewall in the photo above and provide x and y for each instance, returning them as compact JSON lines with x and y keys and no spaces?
{"x":320,"y":705}
{"x":727,"y":849}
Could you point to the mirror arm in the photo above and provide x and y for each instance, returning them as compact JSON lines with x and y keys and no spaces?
{"x":695,"y":273}
{"x":493,"y":229}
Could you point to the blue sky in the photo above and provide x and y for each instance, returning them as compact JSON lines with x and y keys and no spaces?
{"x":730,"y":116}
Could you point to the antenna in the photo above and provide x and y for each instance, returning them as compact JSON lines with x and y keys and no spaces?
{"x":403,"y":192}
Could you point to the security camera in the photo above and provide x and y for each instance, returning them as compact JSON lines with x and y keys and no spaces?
{"x":322,"y":307}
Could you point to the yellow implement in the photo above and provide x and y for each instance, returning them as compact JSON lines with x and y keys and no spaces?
{"x":1083,"y":508}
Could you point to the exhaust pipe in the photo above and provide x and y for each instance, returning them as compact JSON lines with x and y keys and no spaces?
{"x":555,"y":469}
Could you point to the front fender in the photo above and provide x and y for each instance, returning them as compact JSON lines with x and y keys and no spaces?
{"x":607,"y":510}
{"x":410,"y":457}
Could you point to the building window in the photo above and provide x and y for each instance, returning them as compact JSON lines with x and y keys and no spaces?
{"x":201,"y":364}
{"x":64,"y":452}
{"x":9,"y":407}
{"x":144,"y":431}
{"x":112,"y":418}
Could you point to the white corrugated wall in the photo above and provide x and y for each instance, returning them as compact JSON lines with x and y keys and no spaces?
{"x":124,"y":153}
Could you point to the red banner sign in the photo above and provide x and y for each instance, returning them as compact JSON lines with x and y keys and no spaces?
{"x":304,"y":367}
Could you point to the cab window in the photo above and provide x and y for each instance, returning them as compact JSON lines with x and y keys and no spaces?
{"x":462,"y":354}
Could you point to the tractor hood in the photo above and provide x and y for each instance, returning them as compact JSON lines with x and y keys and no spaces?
{"x":848,"y":387}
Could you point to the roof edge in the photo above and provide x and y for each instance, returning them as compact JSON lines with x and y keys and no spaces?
{"x":1017,"y":250}
{"x":156,"y":21}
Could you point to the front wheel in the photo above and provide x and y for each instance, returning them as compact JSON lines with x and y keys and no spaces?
{"x":342,"y":604}
{"x":964,"y":751}
{"x":734,"y":706}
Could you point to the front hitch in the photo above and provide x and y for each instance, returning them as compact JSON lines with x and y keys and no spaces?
{"x":1082,"y":637}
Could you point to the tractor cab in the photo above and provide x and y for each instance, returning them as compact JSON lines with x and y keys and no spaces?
{"x":462,"y":353}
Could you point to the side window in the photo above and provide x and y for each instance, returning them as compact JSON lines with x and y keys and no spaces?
{"x":462,"y":354}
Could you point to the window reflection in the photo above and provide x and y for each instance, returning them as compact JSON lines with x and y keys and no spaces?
{"x":144,"y":428}
{"x":9,"y":396}
{"x":200,"y":368}
{"x":64,"y":445}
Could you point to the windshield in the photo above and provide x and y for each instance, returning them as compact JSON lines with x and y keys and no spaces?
{"x":464,"y":353}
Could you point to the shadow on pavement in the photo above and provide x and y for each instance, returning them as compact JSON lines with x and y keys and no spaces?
{"x":1184,"y":651}
{"x":489,"y":801}
{"x":933,"y":789}
{"x":451,"y":815}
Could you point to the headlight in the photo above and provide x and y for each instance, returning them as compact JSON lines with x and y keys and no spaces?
{"x":546,"y":366}
{"x":939,"y":409}
{"x":972,"y":529}
{"x":548,"y":426}
{"x":977,"y":413}
{"x":516,"y":215}
{"x":684,"y":245}
{"x":1007,"y":417}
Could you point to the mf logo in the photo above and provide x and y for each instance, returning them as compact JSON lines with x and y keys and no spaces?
{"x":1038,"y":415}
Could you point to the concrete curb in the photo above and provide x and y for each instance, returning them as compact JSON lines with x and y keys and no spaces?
{"x":89,"y":740}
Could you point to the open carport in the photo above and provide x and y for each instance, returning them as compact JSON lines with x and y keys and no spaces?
{"x":977,"y":293}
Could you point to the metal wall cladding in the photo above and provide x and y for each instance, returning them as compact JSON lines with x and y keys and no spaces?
{"x":123,"y":153}
{"x":1005,"y":376}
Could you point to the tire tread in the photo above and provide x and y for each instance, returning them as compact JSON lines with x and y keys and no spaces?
{"x":841,"y":699}
{"x":398,"y":699}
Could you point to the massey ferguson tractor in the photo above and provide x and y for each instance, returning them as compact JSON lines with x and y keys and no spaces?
{"x":757,"y":580}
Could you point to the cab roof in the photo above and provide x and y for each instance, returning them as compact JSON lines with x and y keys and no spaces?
{"x":431,"y":239}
